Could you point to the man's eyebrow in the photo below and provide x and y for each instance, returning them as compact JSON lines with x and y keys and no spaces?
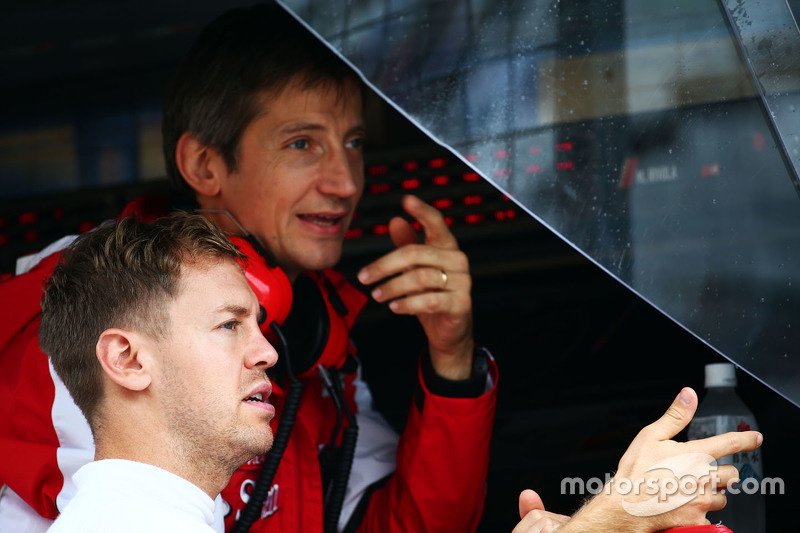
{"x":234,"y":309}
{"x":295,"y":127}
{"x":360,"y":129}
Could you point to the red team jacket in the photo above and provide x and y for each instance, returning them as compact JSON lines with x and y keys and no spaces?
{"x":437,"y":470}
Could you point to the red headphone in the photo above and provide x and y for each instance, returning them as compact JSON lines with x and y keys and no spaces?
{"x":315,"y":321}
{"x":273,"y":289}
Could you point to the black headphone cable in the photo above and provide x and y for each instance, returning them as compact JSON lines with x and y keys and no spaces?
{"x":252,"y":509}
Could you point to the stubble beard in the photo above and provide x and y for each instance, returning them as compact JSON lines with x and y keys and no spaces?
{"x":201,"y":442}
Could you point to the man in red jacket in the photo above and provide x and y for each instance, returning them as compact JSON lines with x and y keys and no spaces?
{"x":263,"y":130}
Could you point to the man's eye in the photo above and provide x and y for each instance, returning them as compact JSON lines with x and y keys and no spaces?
{"x":299,"y":144}
{"x":231,"y":325}
{"x":356,"y":143}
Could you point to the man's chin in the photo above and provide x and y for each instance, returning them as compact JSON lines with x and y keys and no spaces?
{"x":329,"y":259}
{"x":259,"y":444}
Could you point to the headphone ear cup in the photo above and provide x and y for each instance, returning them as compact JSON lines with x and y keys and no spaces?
{"x":317,"y":333}
{"x":273,"y":289}
{"x":307,"y":327}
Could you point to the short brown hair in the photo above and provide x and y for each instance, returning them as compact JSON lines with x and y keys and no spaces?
{"x":121,"y":274}
{"x":219,"y":87}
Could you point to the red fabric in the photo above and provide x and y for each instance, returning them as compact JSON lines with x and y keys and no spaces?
{"x":442,"y":459}
{"x":146,"y":208}
{"x":442,"y":466}
{"x":28,"y":442}
{"x":439,"y":485}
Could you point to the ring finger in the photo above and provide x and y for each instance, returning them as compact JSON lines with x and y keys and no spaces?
{"x":415,"y":281}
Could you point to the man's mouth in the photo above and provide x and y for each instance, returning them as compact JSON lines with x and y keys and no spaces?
{"x":259,"y":394}
{"x":259,"y":399}
{"x":322,"y":220}
{"x":254,"y":398}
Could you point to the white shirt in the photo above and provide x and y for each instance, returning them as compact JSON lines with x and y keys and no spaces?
{"x":130,"y":497}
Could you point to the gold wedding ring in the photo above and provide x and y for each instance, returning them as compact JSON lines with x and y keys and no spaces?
{"x":444,"y":280}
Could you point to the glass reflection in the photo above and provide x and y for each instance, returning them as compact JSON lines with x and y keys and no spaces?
{"x":767,"y":36}
{"x":641,"y":132}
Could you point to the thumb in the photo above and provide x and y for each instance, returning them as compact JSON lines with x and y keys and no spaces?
{"x":677,"y":417}
{"x":529,"y":500}
{"x":401,"y":232}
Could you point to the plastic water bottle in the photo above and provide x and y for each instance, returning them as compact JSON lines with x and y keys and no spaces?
{"x":721,"y":411}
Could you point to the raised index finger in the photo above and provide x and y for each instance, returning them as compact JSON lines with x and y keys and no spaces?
{"x":436,"y":231}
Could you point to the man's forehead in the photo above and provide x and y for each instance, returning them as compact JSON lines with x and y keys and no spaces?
{"x":345,"y":94}
{"x":210,"y":296}
{"x":225,"y":273}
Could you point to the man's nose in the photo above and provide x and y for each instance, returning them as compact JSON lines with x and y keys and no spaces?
{"x":261,"y":353}
{"x":340,"y":174}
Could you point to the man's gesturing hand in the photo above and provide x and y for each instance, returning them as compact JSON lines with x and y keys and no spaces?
{"x":655,"y":462}
{"x":431,"y":280}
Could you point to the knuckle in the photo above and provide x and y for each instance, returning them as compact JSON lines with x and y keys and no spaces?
{"x":720,"y":501}
{"x":434,"y":278}
{"x":414,"y":251}
{"x":673,"y":414}
{"x":729,"y":471}
{"x":732,"y":441}
{"x":536,"y":514}
{"x":431,"y":304}
{"x":703,"y":499}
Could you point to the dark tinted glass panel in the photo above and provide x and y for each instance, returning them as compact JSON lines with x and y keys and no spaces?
{"x":661,"y":139}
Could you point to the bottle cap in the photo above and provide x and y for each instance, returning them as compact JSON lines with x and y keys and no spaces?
{"x":720,"y":375}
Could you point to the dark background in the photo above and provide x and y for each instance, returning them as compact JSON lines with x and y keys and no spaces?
{"x":584,"y":362}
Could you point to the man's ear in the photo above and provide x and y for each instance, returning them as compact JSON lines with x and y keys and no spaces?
{"x":201,"y":166}
{"x":121,"y":356}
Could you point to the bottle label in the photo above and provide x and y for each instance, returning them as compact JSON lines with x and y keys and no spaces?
{"x":748,"y":463}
